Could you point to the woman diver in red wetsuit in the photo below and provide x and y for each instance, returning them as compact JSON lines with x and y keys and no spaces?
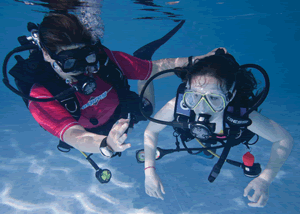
{"x":80,"y":61}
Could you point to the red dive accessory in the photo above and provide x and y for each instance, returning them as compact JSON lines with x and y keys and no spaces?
{"x":248,"y":159}
{"x":250,"y":168}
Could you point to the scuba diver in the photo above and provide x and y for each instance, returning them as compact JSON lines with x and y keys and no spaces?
{"x":77,"y":89}
{"x":215,"y":105}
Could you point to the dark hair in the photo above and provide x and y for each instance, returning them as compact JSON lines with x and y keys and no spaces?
{"x":59,"y":29}
{"x":225,"y":69}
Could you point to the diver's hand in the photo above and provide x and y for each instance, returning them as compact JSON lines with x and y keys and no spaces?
{"x":261,"y":192}
{"x":211,"y":53}
{"x":116,"y":136}
{"x":153,"y":185}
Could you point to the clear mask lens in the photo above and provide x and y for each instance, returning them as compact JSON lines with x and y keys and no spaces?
{"x":91,"y":58}
{"x":191,"y":99}
{"x":69,"y":63}
{"x":215,"y":101}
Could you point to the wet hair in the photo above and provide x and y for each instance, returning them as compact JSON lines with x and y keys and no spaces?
{"x":61,"y":29}
{"x":225,"y":69}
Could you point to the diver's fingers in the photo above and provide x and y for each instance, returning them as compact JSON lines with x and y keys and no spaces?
{"x":162,"y":188}
{"x":122,"y":139}
{"x":213,"y":52}
{"x":150,"y":194}
{"x":120,"y":145}
{"x":255,"y":196}
{"x":225,"y":50}
{"x":124,"y":127}
{"x":120,"y":122}
{"x":125,"y":146}
{"x":159,"y":195}
{"x":261,"y":202}
{"x":155,"y":194}
{"x":119,"y":128}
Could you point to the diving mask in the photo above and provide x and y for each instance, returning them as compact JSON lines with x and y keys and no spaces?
{"x":215,"y":99}
{"x":82,"y":60}
{"x":76,"y":59}
{"x":216,"y":102}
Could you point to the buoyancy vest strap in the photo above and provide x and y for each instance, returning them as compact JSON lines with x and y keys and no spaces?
{"x":231,"y":141}
{"x":217,"y":167}
{"x":70,"y":103}
{"x":236,"y":127}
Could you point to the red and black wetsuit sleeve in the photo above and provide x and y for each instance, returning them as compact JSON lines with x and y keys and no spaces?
{"x":52,"y":116}
{"x":132,"y":67}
